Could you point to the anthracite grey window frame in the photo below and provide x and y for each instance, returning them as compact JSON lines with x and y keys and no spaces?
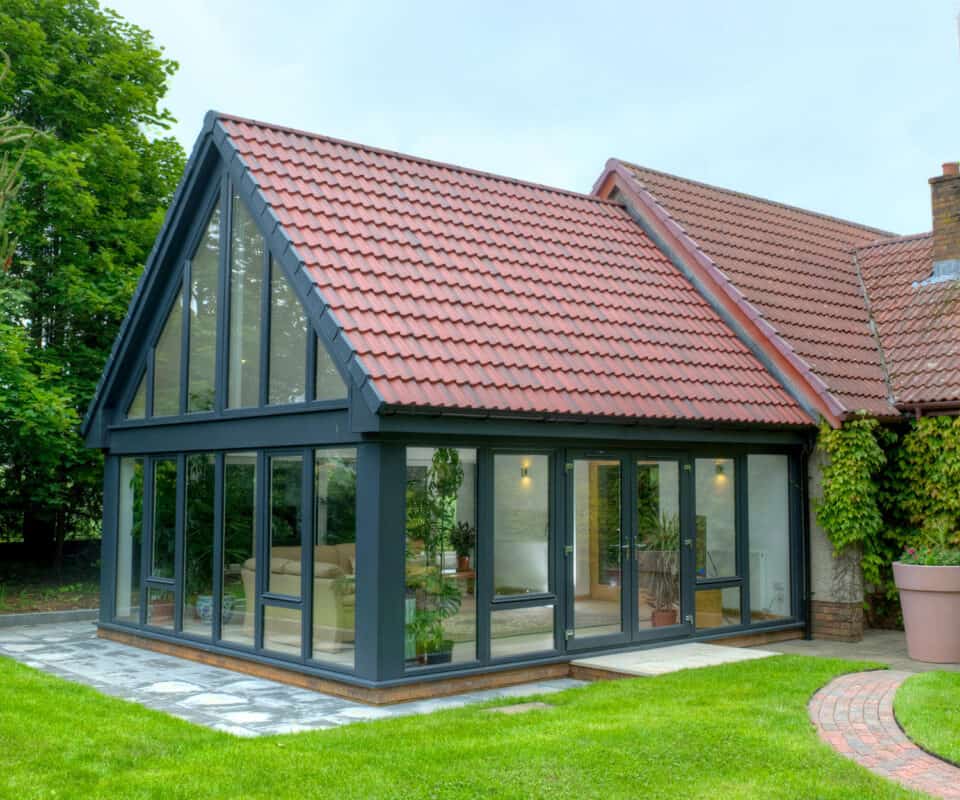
{"x":221,"y":191}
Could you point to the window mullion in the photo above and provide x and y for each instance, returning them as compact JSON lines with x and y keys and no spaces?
{"x":223,"y":299}
{"x":265,"y":329}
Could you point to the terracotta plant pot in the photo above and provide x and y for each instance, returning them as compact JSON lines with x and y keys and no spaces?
{"x":463,"y":563}
{"x":663,"y":616}
{"x":930,"y":599}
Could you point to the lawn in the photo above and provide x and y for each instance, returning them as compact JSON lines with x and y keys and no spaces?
{"x":737,"y":731}
{"x":928,"y":708}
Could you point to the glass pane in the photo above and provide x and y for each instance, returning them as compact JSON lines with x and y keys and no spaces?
{"x":204,"y":272}
{"x":129,"y":540}
{"x":198,"y":607}
{"x":281,"y":630}
{"x":597,"y":579}
{"x":718,"y":608}
{"x":286,"y":524}
{"x":246,"y":287}
{"x":334,"y":555}
{"x":164,"y":517}
{"x":329,"y":384}
{"x":520,"y":631}
{"x":138,"y":406}
{"x":658,"y":543}
{"x":768,"y":510}
{"x":441,"y":607}
{"x":288,"y":341}
{"x":160,"y":608}
{"x":239,"y":553}
{"x":716,"y":519}
{"x":521,"y":524}
{"x":166,"y":364}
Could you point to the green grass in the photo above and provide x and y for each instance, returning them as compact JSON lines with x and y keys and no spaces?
{"x":928,"y":707}
{"x":737,"y":731}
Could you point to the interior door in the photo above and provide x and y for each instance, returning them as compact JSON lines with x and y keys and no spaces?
{"x":597,"y":553}
{"x":663,"y":547}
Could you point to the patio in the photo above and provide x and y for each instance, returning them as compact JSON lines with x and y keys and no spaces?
{"x":216,"y":698}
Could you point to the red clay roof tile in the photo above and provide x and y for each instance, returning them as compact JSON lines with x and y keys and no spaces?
{"x":796,"y":268}
{"x":467,"y":291}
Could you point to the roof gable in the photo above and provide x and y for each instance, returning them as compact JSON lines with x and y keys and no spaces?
{"x":791,"y":268}
{"x":457,"y":290}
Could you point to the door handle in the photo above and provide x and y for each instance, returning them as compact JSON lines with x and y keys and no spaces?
{"x":688,"y":542}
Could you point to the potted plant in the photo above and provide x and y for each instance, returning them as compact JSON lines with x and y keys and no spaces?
{"x":928,"y":578}
{"x":431,"y":520}
{"x":463,"y":538}
{"x":665,"y":584}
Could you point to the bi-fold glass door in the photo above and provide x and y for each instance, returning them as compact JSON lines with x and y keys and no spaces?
{"x":629,"y":549}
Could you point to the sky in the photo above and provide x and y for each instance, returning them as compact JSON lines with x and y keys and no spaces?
{"x":843,"y":107}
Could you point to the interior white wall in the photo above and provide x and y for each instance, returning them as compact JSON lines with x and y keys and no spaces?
{"x":521,"y":521}
{"x":768,"y":509}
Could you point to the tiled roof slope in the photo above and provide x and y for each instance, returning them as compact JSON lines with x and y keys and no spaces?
{"x":917,"y":320}
{"x":796,"y":268}
{"x":461,"y":290}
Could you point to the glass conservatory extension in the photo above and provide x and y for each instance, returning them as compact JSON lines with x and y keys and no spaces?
{"x":253,"y":508}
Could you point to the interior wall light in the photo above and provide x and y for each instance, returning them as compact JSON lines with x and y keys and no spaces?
{"x":524,"y":473}
{"x":720,"y":475}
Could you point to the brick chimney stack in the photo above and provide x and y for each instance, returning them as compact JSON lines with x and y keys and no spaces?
{"x":945,"y":195}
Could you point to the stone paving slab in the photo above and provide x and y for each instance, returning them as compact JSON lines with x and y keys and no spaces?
{"x":662,"y":660}
{"x":854,"y":715}
{"x":217,"y":698}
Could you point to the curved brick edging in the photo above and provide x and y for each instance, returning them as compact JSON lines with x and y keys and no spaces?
{"x":854,"y":715}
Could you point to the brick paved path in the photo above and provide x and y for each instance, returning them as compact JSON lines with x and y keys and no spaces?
{"x":854,"y":714}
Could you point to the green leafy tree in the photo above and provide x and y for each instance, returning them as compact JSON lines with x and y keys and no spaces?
{"x":95,"y":187}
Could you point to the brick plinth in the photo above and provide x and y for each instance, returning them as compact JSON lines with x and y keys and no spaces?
{"x":842,"y":622}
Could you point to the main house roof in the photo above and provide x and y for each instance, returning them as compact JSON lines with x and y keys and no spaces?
{"x":797,"y":269}
{"x":463,"y":291}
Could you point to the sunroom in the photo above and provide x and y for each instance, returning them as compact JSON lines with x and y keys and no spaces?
{"x":377,"y":422}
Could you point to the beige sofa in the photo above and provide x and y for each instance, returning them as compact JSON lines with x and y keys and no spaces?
{"x":334,"y":592}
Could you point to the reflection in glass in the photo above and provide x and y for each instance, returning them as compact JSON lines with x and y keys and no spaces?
{"x":164,"y":517}
{"x":288,"y":341}
{"x":138,"y":406}
{"x":440,"y":602}
{"x":334,"y":555}
{"x":166,"y":364}
{"x":658,"y":543}
{"x":521,"y":524}
{"x":199,"y":484}
{"x":329,"y":384}
{"x":597,"y":572}
{"x":129,"y":540}
{"x":716,"y":550}
{"x":286,"y":524}
{"x":239,"y":554}
{"x":204,"y":271}
{"x":718,"y":608}
{"x":521,"y":631}
{"x":768,"y":509}
{"x":281,"y":630}
{"x":160,"y":608}
{"x":246,"y":286}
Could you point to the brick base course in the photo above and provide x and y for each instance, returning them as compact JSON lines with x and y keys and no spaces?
{"x":841,"y":622}
{"x":854,"y":715}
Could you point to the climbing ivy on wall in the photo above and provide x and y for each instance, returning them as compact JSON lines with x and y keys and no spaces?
{"x":884,"y":488}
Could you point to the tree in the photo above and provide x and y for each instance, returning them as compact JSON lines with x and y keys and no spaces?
{"x":95,"y":186}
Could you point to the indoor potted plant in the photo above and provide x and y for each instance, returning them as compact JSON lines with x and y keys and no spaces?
{"x":928,"y":578}
{"x":665,"y":585}
{"x":463,"y":537}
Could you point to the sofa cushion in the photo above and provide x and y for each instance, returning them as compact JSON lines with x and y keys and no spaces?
{"x":326,"y":554}
{"x":322,"y":569}
{"x":346,"y":553}
{"x":250,"y":564}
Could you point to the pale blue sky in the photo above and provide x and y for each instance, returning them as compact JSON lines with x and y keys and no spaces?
{"x":843,"y":107}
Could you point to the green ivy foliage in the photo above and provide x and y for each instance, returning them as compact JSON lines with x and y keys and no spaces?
{"x":887,"y":489}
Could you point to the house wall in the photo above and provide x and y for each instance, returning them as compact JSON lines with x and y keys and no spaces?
{"x":836,"y":581}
